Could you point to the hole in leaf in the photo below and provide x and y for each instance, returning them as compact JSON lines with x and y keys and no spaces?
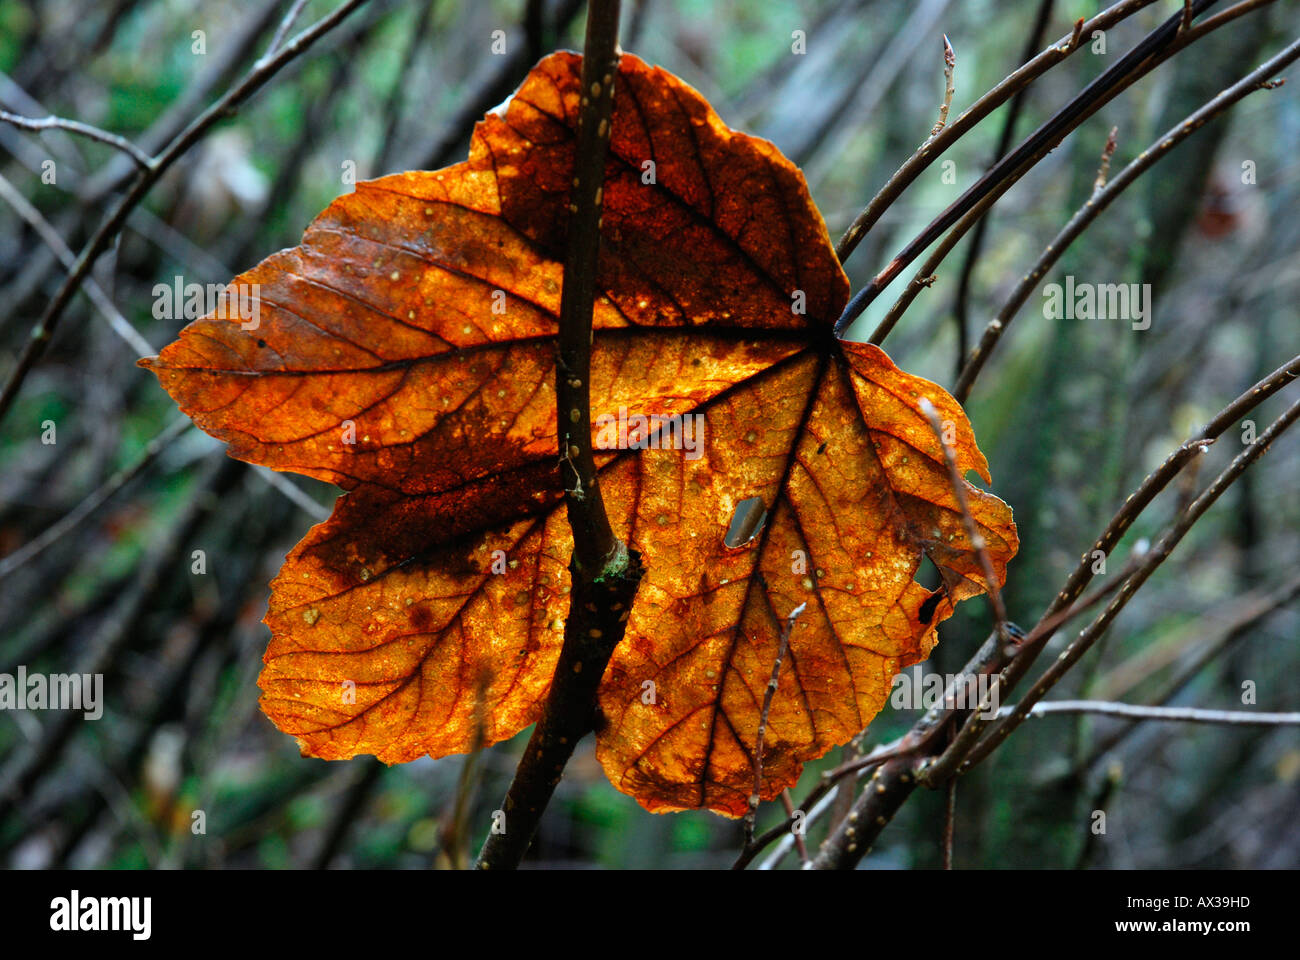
{"x":926,"y":613}
{"x":746,"y":522}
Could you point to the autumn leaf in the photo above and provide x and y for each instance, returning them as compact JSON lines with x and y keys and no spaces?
{"x":405,"y":350}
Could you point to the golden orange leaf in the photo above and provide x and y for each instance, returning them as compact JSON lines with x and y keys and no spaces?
{"x":405,"y":351}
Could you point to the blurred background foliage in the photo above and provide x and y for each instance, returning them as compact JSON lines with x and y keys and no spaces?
{"x":1071,"y":414}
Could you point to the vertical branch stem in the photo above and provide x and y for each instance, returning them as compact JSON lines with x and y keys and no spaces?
{"x":604,"y":574}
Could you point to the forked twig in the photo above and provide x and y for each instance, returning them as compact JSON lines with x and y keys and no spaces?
{"x":930,"y":151}
{"x":1157,"y":555}
{"x":141,"y":158}
{"x":896,"y":779}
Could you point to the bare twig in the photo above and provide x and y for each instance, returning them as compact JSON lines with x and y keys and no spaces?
{"x":1133,"y":64}
{"x":1256,"y":80}
{"x":60,"y":528}
{"x":783,"y":644}
{"x":439,"y":151}
{"x":818,"y":800}
{"x":283,"y":29}
{"x":799,"y":842}
{"x":238,"y":41}
{"x":930,"y":151}
{"x":1077,"y":35}
{"x":141,"y":158}
{"x":927,"y":273}
{"x":455,"y":829}
{"x":1150,"y":562}
{"x":1255,"y":609}
{"x":101,"y":300}
{"x":348,"y":810}
{"x":112,"y":634}
{"x":1129,"y":711}
{"x":949,"y":67}
{"x":292,"y":492}
{"x":108,"y":229}
{"x":960,"y":305}
{"x":1103,"y":168}
{"x":896,"y":779}
{"x":972,"y":528}
{"x":1013,"y":173}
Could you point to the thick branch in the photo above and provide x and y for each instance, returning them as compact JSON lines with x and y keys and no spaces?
{"x":604,"y":573}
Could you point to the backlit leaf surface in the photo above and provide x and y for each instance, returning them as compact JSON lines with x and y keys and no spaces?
{"x":405,"y":351}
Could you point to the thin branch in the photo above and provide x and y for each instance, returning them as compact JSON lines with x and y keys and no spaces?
{"x":930,"y":151}
{"x":1103,"y":168}
{"x":1065,"y":607}
{"x":1124,"y":71}
{"x":962,"y":301}
{"x":896,"y":779}
{"x":108,"y":229}
{"x":292,"y":492}
{"x":141,"y":158}
{"x":101,"y":300}
{"x":604,"y":573}
{"x":1077,"y":35}
{"x":783,"y":644}
{"x":799,"y":842}
{"x":818,"y":800}
{"x":928,"y":271}
{"x":439,"y":151}
{"x":1255,"y":609}
{"x":972,"y":528}
{"x":949,"y":68}
{"x":396,"y":94}
{"x":988,"y":659}
{"x":348,"y":811}
{"x":789,"y":840}
{"x":1158,"y":554}
{"x":60,"y":528}
{"x":102,"y":649}
{"x":283,"y":29}
{"x":454,"y":833}
{"x":239,"y":40}
{"x":1128,"y":711}
{"x":1012,"y":174}
{"x":1258,"y":79}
